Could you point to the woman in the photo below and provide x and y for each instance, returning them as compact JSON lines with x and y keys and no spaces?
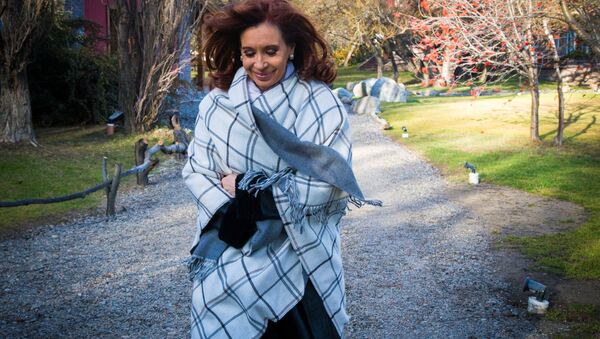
{"x":269,"y":171}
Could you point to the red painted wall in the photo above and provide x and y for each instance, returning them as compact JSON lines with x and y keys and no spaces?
{"x":97,"y":12}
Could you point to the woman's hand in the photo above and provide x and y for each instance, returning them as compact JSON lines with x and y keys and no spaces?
{"x":228,"y":183}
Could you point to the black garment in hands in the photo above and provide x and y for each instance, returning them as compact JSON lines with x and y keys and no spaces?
{"x":239,"y":220}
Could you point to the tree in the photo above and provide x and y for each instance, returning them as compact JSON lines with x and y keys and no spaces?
{"x":379,"y":25}
{"x":382,"y":25}
{"x":583,"y":17}
{"x":151,"y":37}
{"x":436,"y":50}
{"x":21,"y":21}
{"x":336,"y":28}
{"x":558,"y":139}
{"x":70,"y":83}
{"x":504,"y":36}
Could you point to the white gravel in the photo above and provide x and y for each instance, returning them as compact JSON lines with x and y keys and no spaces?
{"x":420,"y":267}
{"x":417,"y":268}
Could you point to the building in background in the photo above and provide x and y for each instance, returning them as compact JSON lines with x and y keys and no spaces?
{"x":98,"y":12}
{"x":103,"y":13}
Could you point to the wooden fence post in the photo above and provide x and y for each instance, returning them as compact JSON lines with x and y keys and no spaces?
{"x":112,"y":195}
{"x":140,"y":155}
{"x":105,"y":177}
{"x":179,"y":135}
{"x":140,"y":151}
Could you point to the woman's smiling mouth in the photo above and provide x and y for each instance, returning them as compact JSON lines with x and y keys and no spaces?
{"x":262,"y":76}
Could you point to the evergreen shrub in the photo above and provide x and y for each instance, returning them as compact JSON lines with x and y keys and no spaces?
{"x":70,"y":82}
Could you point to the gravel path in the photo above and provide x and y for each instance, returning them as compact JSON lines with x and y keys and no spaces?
{"x":419,"y":267}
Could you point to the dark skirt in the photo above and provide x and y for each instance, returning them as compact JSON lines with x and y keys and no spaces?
{"x":307,"y":320}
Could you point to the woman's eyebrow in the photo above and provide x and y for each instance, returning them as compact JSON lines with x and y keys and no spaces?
{"x":267,"y":46}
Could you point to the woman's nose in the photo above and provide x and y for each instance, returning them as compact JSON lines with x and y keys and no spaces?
{"x":260,"y":61}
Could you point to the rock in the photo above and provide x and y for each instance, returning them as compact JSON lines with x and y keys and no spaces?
{"x":366,"y":105}
{"x":364,"y":87}
{"x":385,"y":89}
{"x":185,"y":101}
{"x":348,"y":108}
{"x":388,"y":90}
{"x":344,"y":95}
{"x":360,"y":90}
{"x":383,"y":124}
{"x":431,"y":93}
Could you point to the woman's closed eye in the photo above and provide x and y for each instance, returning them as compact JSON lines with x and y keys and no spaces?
{"x":271,"y":51}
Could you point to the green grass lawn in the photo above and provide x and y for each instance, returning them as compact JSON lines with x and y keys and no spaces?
{"x":493,"y":133}
{"x":68,"y":160}
{"x":352,"y":74}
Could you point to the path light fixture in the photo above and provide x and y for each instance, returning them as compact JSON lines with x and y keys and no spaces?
{"x":536,"y":303}
{"x":404,"y":132}
{"x":473,"y":175}
{"x":112,"y":121}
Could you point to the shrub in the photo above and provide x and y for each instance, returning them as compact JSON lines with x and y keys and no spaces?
{"x":71,"y":83}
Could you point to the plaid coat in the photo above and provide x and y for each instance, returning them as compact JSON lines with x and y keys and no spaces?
{"x":245,"y":291}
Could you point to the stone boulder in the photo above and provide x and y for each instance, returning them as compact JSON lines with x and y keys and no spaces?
{"x":363,"y":88}
{"x":387,"y":90}
{"x":343,"y":94}
{"x":366,"y":105}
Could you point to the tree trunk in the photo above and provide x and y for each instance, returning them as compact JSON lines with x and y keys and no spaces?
{"x":425,"y":73}
{"x":15,"y":108}
{"x":129,"y":63}
{"x":592,"y":41}
{"x":532,"y":75}
{"x":376,"y":47}
{"x":535,"y":105}
{"x":199,"y":66}
{"x":394,"y":65}
{"x":484,"y":75}
{"x":349,"y":56}
{"x":379,"y":59}
{"x":447,"y":71}
{"x":558,"y":139}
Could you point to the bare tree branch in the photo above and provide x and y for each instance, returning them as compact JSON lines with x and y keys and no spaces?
{"x":587,"y":28}
{"x":160,"y":33}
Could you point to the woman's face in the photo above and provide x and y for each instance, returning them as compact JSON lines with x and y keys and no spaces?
{"x":264,"y":54}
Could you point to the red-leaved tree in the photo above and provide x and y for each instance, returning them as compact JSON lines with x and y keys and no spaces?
{"x":501,"y":38}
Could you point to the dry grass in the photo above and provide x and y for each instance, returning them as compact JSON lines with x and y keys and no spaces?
{"x":493,"y":133}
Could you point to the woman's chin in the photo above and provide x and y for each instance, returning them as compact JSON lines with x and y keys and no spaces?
{"x":264,"y":85}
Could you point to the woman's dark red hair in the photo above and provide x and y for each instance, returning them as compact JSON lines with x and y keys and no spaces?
{"x":312,"y":58}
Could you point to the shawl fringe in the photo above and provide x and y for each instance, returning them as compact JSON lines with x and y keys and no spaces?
{"x":200,"y":268}
{"x":255,"y":181}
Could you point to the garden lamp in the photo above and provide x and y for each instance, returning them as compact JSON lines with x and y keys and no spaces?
{"x":473,"y":175}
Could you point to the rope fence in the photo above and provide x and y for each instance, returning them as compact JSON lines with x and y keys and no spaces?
{"x":144,"y":164}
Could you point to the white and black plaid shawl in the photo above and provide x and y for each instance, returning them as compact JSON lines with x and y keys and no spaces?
{"x":244,"y":292}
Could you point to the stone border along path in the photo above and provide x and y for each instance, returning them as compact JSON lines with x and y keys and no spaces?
{"x":416,"y":268}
